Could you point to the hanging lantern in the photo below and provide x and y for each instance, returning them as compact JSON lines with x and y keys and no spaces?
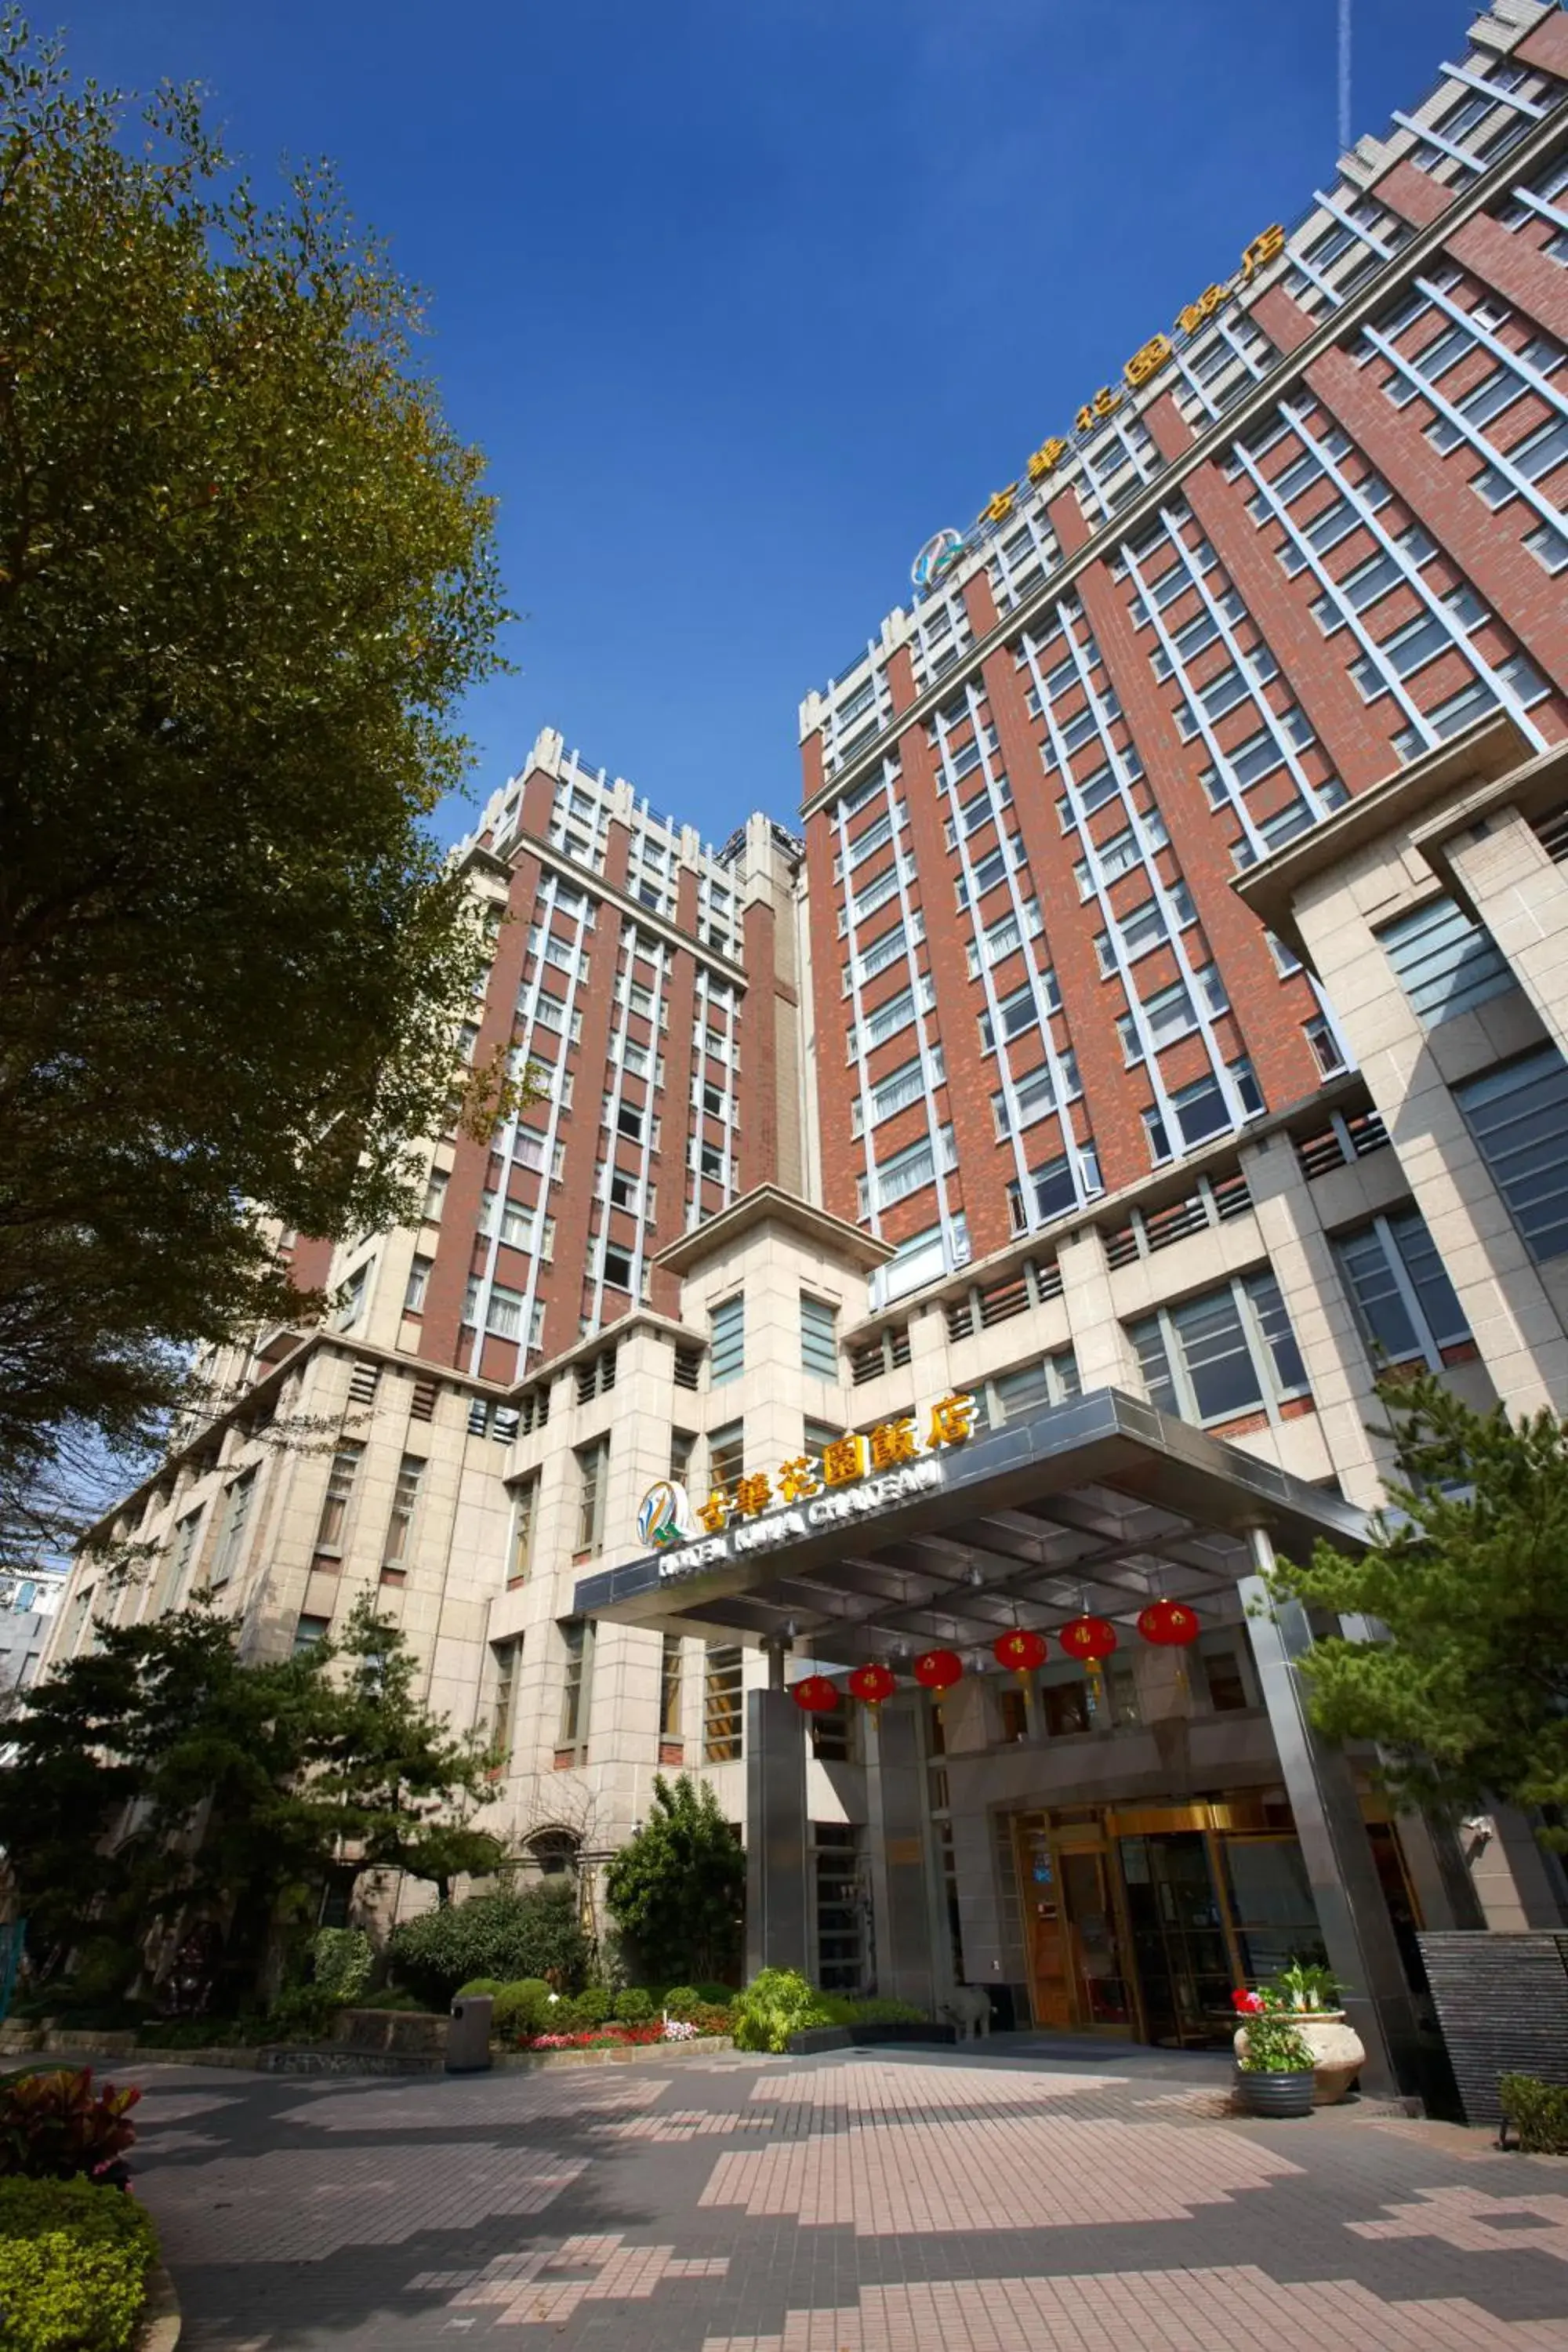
{"x":1089,"y":1638}
{"x":873,"y":1684}
{"x":1169,"y":1625}
{"x":1020,"y":1651}
{"x":937,"y":1670}
{"x":815,"y":1695}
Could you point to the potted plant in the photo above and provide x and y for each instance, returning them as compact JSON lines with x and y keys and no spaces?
{"x":1273,"y":2063}
{"x":1312,"y":1995}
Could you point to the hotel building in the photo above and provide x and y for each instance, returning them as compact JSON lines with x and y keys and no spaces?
{"x":1155,"y":1029}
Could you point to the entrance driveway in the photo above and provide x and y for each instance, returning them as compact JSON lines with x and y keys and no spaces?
{"x":870,"y":2202}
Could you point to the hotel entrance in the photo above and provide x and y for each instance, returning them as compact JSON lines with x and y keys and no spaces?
{"x":1143,"y":1921}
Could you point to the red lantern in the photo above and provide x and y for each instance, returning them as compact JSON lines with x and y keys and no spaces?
{"x":1023,"y":1652}
{"x":1169,"y":1625}
{"x":1089,"y":1638}
{"x":937,"y":1670}
{"x":872,"y":1684}
{"x":815,"y":1695}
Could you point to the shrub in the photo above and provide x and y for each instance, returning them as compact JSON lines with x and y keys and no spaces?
{"x":682,"y":2000}
{"x":633,"y":2007}
{"x":1274,"y":2046}
{"x":521,"y":2008}
{"x":201,"y":2032}
{"x":1538,"y":2111}
{"x":775,"y":2004}
{"x":399,"y":1997}
{"x":579,"y":2016}
{"x":73,"y":2265}
{"x":302,"y":2012}
{"x":535,"y":1934}
{"x":708,"y":2018}
{"x":342,"y":1959}
{"x":492,"y":1985}
{"x":54,"y":2126}
{"x":876,"y":2011}
{"x":677,"y":1888}
{"x":720,"y":1995}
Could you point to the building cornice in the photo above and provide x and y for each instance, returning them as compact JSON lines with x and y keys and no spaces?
{"x":770,"y":1204}
{"x":1476,"y":199}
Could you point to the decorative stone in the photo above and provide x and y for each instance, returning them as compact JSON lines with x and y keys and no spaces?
{"x":1338,"y":2051}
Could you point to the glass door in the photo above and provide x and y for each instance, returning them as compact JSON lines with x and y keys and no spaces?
{"x":1045,"y":1936}
{"x":1094,"y":1940}
{"x":1179,"y":1945}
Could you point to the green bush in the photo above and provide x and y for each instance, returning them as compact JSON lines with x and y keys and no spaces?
{"x":492,"y":1985}
{"x":73,"y":2265}
{"x":201,"y":2032}
{"x":632,"y":2006}
{"x":682,"y":2000}
{"x":1274,"y":2046}
{"x":342,"y":1960}
{"x":399,"y":1997}
{"x":720,"y":1995}
{"x":302,"y":2013}
{"x":580,"y":2016}
{"x":1538,"y":2111}
{"x":520,"y":2008}
{"x":534,"y":1934}
{"x":775,"y":2004}
{"x":877,"y":2011}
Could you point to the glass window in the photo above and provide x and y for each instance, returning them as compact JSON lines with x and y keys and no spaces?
{"x":181,"y":1553}
{"x":593,"y":1477}
{"x":1445,"y":964}
{"x":818,"y":1336}
{"x":1224,"y":1353}
{"x":671,"y":1666}
{"x":525,"y":1510}
{"x":1518,"y":1117}
{"x":726,"y":1454}
{"x":335,"y":1504}
{"x":405,"y":1500}
{"x":307,"y":1632}
{"x":237,"y":1512}
{"x":728,"y":1349}
{"x":723,"y":1673}
{"x":575,"y":1685}
{"x":1403,"y":1296}
{"x":508,"y":1658}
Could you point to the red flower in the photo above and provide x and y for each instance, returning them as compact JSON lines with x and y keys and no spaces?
{"x":1251,"y":2004}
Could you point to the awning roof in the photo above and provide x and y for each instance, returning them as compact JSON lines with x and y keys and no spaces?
{"x":1101,"y":1503}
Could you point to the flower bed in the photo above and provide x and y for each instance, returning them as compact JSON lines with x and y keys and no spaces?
{"x":611,"y":2037}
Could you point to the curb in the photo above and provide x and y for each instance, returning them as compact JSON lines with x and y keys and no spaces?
{"x":162,"y":2318}
{"x":330,"y":2059}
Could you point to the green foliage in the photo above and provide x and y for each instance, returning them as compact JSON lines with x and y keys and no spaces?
{"x":303,"y":2014}
{"x":719,"y":1995}
{"x":1274,"y":2046}
{"x":537,"y":1933}
{"x":73,"y":2265}
{"x":677,"y":1887}
{"x":248,"y":576}
{"x":590,"y":2007}
{"x":1304,"y":1985}
{"x":246,"y":1778}
{"x":54,"y":2127}
{"x":1538,"y":2111}
{"x":491,"y":1985}
{"x":877,"y":2010}
{"x":1467,"y":1699}
{"x":682,"y":2000}
{"x":202,"y":2033}
{"x":340,"y":1962}
{"x":775,"y":2004}
{"x":632,"y":2006}
{"x":520,"y":2008}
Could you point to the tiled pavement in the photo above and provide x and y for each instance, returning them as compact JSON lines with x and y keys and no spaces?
{"x":1014,"y":2202}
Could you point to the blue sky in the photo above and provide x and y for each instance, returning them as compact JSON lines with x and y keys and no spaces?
{"x":745,"y":297}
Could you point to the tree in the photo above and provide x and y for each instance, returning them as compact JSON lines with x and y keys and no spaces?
{"x":162,"y":1774}
{"x":246,"y":572}
{"x":504,"y":1936}
{"x":1467,"y":1571}
{"x":677,"y":1888}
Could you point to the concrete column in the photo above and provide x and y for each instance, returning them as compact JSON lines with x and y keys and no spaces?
{"x":898,"y":1835}
{"x":1351,"y":1912}
{"x":1105,"y":1357}
{"x":1522,"y":896}
{"x":777,"y":1918}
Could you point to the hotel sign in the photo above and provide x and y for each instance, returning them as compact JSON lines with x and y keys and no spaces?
{"x":855,"y":1477}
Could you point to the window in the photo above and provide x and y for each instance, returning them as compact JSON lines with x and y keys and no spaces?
{"x":840,"y":1901}
{"x":577,"y":1643}
{"x":1402,"y":1297}
{"x":335,"y":1503}
{"x":1228,"y":1352}
{"x":435,"y":1196}
{"x":726,"y":1454}
{"x":907,"y":1172}
{"x":307,"y":1632}
{"x":405,"y":1499}
{"x":1012,"y":1396}
{"x":593,"y":1477}
{"x":503,"y":1316}
{"x":1012,"y":1716}
{"x":1064,"y":1702}
{"x":182,"y":1551}
{"x":629,"y":1122}
{"x":508,"y":1657}
{"x":818,"y":1336}
{"x":1325,"y":1046}
{"x":524,"y":1512}
{"x":907,"y":1084}
{"x":618,"y":1267}
{"x":728,"y":1344}
{"x":682,"y":1445}
{"x":1225,"y":1676}
{"x":1445,"y":964}
{"x":724,"y":1673}
{"x":351,"y":1303}
{"x":671,"y":1666}
{"x":1518,"y":1117}
{"x":1052,"y":1192}
{"x":419,"y":1278}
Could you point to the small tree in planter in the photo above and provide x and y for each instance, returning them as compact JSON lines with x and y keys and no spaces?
{"x":1274,"y":2066}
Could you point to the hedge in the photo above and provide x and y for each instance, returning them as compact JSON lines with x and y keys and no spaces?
{"x":74,"y":2259}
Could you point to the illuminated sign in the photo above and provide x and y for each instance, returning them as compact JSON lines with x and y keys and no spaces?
{"x":855,"y":1476}
{"x":939,"y":555}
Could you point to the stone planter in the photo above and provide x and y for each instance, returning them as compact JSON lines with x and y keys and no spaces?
{"x":1274,"y":2094}
{"x":1338,"y":2053}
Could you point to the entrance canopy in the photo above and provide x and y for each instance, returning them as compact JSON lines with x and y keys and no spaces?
{"x":1100,"y":1503}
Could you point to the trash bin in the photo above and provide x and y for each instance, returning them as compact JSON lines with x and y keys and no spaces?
{"x":468,"y":2035}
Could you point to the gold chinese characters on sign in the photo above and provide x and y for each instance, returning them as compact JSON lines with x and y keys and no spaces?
{"x":843,"y":1461}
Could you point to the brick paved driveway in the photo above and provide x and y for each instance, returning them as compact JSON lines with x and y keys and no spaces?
{"x":866,"y":2204}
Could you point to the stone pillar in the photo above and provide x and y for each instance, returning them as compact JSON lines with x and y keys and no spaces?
{"x":1351,"y":1912}
{"x":778,"y":1921}
{"x":897,"y":1836}
{"x":1105,"y":1358}
{"x":1522,"y":899}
